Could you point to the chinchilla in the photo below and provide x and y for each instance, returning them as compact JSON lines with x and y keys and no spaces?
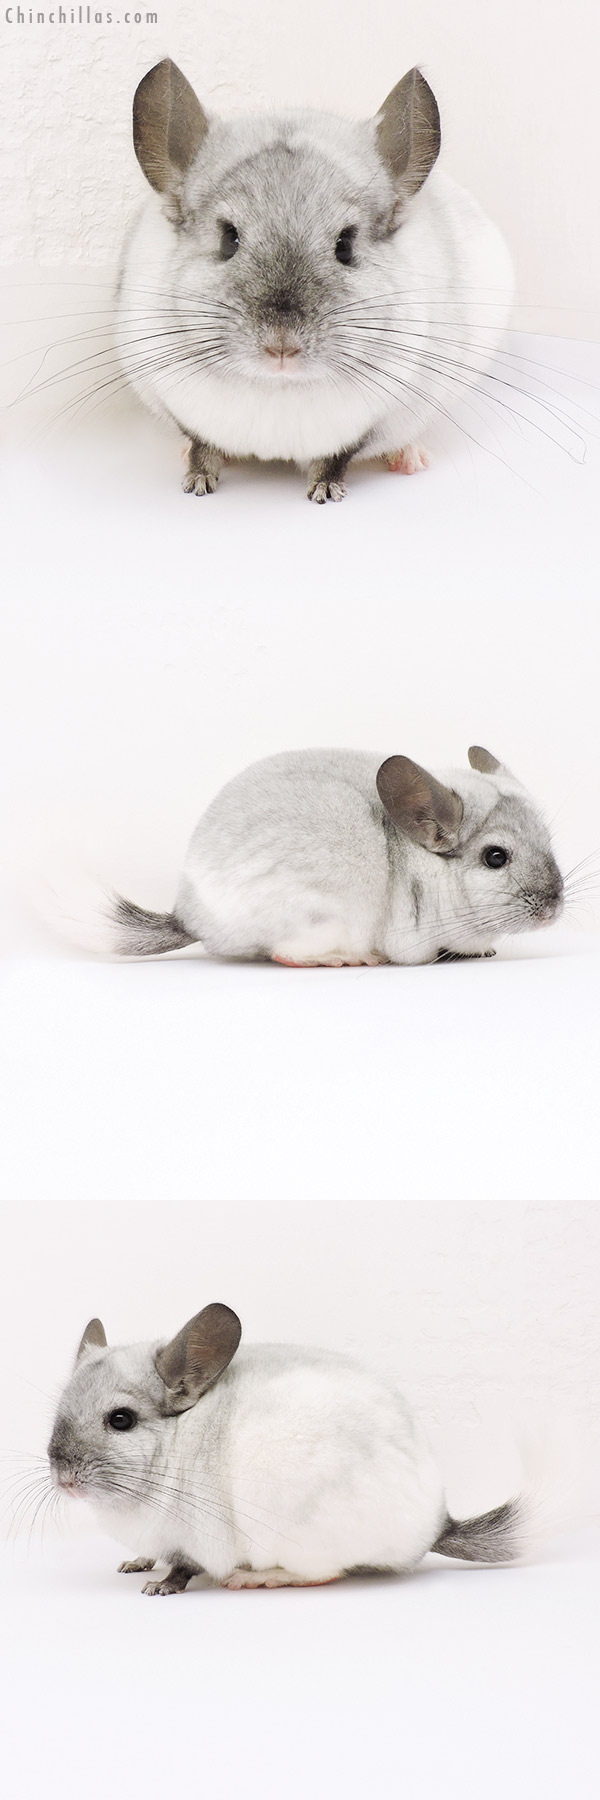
{"x":269,"y":1466}
{"x":332,"y":857}
{"x":302,"y":286}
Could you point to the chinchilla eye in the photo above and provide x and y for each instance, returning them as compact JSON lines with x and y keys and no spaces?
{"x":229,"y":240}
{"x":122,"y":1419}
{"x":344,"y":248}
{"x":495,"y":857}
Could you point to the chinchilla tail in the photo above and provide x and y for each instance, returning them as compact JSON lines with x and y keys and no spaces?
{"x":548,"y":1503}
{"x":500,"y":1536}
{"x":88,"y":916}
{"x":136,"y":932}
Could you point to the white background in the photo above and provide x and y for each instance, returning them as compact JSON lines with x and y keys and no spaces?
{"x":454,"y":1681}
{"x":517,"y":93}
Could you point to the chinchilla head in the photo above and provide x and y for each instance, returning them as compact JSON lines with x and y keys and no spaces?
{"x":282,"y":227}
{"x":121,"y":1406}
{"x":485,"y":830}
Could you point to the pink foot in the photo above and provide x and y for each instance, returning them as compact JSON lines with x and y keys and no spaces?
{"x":333,"y":962}
{"x":272,"y":1578}
{"x":285,"y":961}
{"x":409,"y":460}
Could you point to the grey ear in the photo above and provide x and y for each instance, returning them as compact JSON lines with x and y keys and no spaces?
{"x":168,"y":125}
{"x":418,"y":804}
{"x":198,"y":1355}
{"x":482,"y":760}
{"x":94,"y":1334}
{"x":409,"y":132}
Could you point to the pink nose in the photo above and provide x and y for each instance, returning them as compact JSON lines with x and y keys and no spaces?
{"x":282,"y":346}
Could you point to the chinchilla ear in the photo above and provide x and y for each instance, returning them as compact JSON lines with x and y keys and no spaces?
{"x":409,"y":132}
{"x":482,"y":760}
{"x":198,"y":1355}
{"x":418,"y":804}
{"x":168,"y":125}
{"x":94,"y":1336}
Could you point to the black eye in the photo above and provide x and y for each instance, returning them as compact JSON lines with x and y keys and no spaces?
{"x":495,"y":857}
{"x":122,"y":1419}
{"x":229,"y":240}
{"x":344,"y":248}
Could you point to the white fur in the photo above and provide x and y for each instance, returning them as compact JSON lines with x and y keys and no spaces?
{"x":297,"y":1460}
{"x":297,"y":1466}
{"x":447,"y":282}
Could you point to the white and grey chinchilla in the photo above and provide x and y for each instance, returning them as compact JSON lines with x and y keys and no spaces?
{"x":268,"y":1466}
{"x":332,"y":857}
{"x":301,"y":286}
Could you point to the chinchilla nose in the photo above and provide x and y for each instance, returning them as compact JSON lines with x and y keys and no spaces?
{"x":282,"y":345}
{"x":62,"y":1452}
{"x":551,"y":897}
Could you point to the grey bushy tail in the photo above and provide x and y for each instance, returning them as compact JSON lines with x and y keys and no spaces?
{"x":140,"y":933}
{"x":499,"y":1536}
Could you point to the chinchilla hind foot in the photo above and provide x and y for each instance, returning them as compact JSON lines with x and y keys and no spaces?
{"x":408,"y":461}
{"x":276,"y":1578}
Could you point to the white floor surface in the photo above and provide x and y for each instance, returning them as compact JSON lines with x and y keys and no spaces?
{"x":457,"y":1683}
{"x":192,"y":1080}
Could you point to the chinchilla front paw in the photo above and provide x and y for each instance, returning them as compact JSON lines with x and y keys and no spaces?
{"x":320,"y":491}
{"x":173,"y":1583}
{"x":199,"y":484}
{"x":203,"y":469}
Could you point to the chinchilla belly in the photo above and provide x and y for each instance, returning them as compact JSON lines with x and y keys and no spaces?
{"x":289,"y":422}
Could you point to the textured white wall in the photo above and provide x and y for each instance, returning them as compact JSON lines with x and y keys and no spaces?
{"x":517,"y":88}
{"x":486,"y":1315}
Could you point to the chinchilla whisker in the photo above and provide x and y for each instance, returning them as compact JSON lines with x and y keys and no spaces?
{"x":590,"y":858}
{"x":589,"y":880}
{"x":80,"y":406}
{"x":459,"y":426}
{"x":201,"y":1499}
{"x":361,"y":367}
{"x":157,"y":1503}
{"x":31,"y":1455}
{"x":407,"y":336}
{"x":17,"y":1497}
{"x":239,"y":1509}
{"x":384,"y":333}
{"x":40,"y":1516}
{"x":498,"y":351}
{"x":22,"y":1478}
{"x":84,"y":364}
{"x":445,"y":367}
{"x":23,"y":1504}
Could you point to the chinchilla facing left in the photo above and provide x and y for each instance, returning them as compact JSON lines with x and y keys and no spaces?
{"x":266,"y":1466}
{"x":301,"y":286}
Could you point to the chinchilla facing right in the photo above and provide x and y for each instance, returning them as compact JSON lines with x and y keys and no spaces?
{"x":302,"y":286}
{"x":333,"y":857}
